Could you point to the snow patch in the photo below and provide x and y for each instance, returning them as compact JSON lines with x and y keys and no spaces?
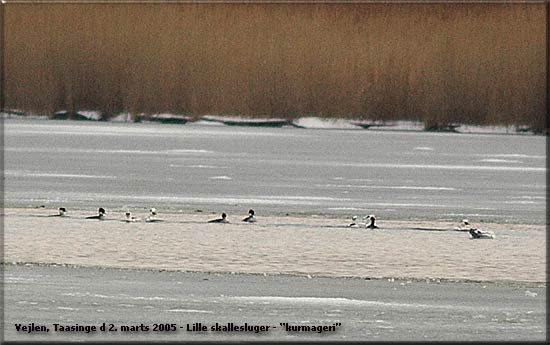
{"x":220,"y":178}
{"x":207,"y":123}
{"x":494,"y":160}
{"x":90,"y":114}
{"x":318,"y":123}
{"x":122,"y":117}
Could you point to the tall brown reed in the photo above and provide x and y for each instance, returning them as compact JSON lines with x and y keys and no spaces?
{"x":437,"y":63}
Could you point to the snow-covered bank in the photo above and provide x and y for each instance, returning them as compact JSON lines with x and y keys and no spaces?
{"x":303,"y":122}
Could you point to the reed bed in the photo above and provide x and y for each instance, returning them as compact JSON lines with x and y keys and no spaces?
{"x":473,"y":63}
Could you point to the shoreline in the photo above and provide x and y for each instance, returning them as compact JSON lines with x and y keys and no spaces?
{"x":315,"y":123}
{"x":504,"y":282}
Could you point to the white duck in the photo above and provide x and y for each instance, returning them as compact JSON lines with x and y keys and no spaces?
{"x":153,"y":216}
{"x":130,"y":218}
{"x":353,"y":224}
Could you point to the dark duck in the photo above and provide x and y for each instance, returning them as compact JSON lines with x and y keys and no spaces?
{"x":372,"y":225}
{"x":100,"y":214}
{"x":223,"y":219}
{"x":251,"y":218}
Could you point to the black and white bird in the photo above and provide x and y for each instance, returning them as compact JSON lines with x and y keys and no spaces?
{"x":353,"y":224}
{"x":61,"y":212}
{"x":130,"y":218}
{"x":100,"y":215}
{"x":153,"y":216}
{"x":480,"y":234}
{"x":464,"y":226}
{"x":474,"y":233}
{"x":223,"y":219}
{"x":372,"y":220}
{"x":251,"y":218}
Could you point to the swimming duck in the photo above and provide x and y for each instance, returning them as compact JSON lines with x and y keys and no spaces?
{"x":480,"y":234}
{"x":474,"y":233}
{"x":251,"y":218}
{"x":62,"y":211}
{"x":223,"y":219}
{"x":100,"y":216}
{"x":464,"y":226}
{"x":130,"y":218}
{"x":153,"y":216}
{"x":371,"y":225}
{"x":353,"y":224}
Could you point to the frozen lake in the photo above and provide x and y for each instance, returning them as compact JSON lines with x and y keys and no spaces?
{"x":395,"y":175}
{"x":299,"y":262}
{"x":368,"y":310}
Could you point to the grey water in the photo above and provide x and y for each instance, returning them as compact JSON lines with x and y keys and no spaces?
{"x":395,"y":175}
{"x":367,"y":310}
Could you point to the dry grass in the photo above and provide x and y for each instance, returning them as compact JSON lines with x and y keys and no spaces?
{"x":439,"y":63}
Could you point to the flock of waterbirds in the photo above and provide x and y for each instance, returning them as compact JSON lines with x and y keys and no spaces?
{"x":369,"y":223}
{"x":152,"y":217}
